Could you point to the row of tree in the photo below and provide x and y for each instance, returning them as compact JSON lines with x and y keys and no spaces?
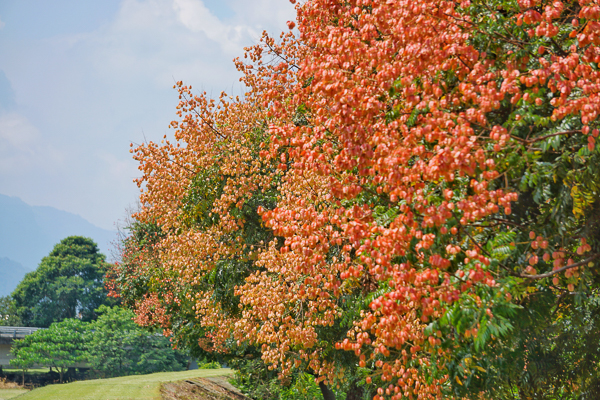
{"x":111,"y":345}
{"x":404,"y":203}
{"x":86,"y":328}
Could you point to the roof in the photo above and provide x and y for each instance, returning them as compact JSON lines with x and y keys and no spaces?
{"x":16,"y":332}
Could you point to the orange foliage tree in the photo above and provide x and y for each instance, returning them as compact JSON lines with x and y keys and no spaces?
{"x":401,"y":184}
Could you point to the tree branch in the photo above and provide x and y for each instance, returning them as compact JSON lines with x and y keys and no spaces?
{"x":548,"y":274}
{"x":510,"y":271}
{"x":539,"y":139}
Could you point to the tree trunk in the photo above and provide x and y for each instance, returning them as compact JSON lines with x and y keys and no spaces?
{"x":23,"y":378}
{"x":355,"y":392}
{"x":327,"y":393}
{"x":60,"y":371}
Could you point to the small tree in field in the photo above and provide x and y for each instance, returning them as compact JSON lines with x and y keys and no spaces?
{"x":24,"y":360}
{"x":60,"y":346}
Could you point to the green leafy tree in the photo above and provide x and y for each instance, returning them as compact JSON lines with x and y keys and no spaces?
{"x":8,"y":312}
{"x":60,"y":346}
{"x":118,"y":346}
{"x":24,"y":361}
{"x":68,"y":283}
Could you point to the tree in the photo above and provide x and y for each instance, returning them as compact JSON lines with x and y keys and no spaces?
{"x":24,"y":361}
{"x":60,"y":346}
{"x":8,"y":316}
{"x":118,"y":346}
{"x":113,"y":345}
{"x":68,"y":283}
{"x":432,"y":220}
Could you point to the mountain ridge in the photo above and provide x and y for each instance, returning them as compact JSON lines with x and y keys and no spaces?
{"x":12,"y":273}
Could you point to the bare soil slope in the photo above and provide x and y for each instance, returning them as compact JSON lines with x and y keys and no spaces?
{"x":212,"y":388}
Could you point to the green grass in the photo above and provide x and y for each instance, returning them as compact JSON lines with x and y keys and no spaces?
{"x":135,"y":387}
{"x":6,"y":394}
{"x":29,"y":371}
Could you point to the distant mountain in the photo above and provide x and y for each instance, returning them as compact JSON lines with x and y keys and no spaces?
{"x":11,"y":273}
{"x":28,"y":233}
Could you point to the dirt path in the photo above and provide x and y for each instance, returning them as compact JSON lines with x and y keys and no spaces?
{"x":213,"y":388}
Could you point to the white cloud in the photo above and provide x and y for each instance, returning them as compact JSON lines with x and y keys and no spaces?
{"x":116,"y":167}
{"x":21,"y":147}
{"x":160,"y":41}
{"x":16,"y":133}
{"x":2,"y":24}
{"x":197,"y":17}
{"x":269,"y":15}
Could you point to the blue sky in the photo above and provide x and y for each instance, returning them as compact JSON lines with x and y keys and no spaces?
{"x":81,"y":79}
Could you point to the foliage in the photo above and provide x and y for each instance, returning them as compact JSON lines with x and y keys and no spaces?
{"x":8,"y":312}
{"x":304,"y":388}
{"x":258,"y":382}
{"x":255,"y":380}
{"x":117,"y":346}
{"x":407,"y":194}
{"x":60,"y":346}
{"x":113,"y":345}
{"x":68,"y":283}
{"x":209,"y":365}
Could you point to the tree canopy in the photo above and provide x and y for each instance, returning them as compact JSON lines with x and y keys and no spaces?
{"x":68,"y":283}
{"x":61,"y":346}
{"x":8,"y":316}
{"x":117,"y":346}
{"x":112,"y":345}
{"x":403,"y":203}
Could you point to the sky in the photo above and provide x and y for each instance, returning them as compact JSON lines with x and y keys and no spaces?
{"x":82,"y":79}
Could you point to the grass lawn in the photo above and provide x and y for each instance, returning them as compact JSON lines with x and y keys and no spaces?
{"x":29,"y":371}
{"x":135,"y":387}
{"x":6,"y":394}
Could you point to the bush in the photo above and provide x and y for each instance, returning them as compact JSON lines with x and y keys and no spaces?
{"x":209,"y":365}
